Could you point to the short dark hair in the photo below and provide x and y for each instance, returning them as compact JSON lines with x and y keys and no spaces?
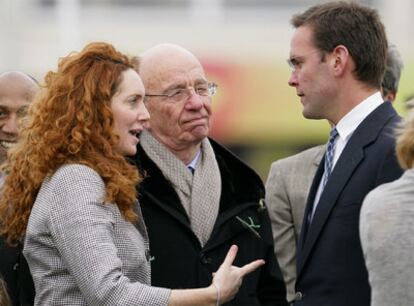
{"x":354,"y":26}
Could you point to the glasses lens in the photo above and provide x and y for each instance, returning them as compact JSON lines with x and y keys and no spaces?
{"x":212,"y":89}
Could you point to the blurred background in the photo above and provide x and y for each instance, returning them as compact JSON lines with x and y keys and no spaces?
{"x":243,"y":45}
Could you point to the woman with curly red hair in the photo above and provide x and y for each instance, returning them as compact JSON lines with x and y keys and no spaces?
{"x":71,"y":194}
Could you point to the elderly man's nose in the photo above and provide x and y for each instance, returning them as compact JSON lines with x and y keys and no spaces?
{"x":195,"y":101}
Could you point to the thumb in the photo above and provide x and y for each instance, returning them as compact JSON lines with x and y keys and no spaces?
{"x":250,"y":267}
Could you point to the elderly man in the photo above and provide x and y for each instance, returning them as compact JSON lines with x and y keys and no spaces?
{"x":197,"y":198}
{"x":290,"y":178}
{"x":17,"y":90}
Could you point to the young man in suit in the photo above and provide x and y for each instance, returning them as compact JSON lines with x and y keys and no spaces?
{"x":338,"y":54}
{"x":290,"y":178}
{"x":197,"y":198}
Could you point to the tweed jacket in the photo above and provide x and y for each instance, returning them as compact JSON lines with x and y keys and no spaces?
{"x":386,"y":230}
{"x":179,"y":259}
{"x":287,"y":189}
{"x":81,"y":251}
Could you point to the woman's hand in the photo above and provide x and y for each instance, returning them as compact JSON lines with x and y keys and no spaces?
{"x":228,"y":278}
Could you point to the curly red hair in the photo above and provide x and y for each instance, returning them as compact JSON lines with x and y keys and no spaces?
{"x":70,"y":121}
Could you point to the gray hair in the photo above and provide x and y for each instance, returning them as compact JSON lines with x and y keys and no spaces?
{"x":393,"y":70}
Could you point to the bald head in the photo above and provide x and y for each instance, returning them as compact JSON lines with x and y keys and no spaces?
{"x":164,"y":61}
{"x":17,"y":90}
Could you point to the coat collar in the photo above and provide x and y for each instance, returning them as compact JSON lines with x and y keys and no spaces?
{"x":240,"y":185}
{"x":353,"y":154}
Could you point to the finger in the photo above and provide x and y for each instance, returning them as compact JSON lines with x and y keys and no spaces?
{"x":231,"y":255}
{"x":250,"y":267}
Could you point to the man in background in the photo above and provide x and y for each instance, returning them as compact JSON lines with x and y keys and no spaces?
{"x":17,"y":91}
{"x":290,"y":178}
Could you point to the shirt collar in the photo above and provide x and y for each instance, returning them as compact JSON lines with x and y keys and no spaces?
{"x":195,"y":160}
{"x":348,"y":124}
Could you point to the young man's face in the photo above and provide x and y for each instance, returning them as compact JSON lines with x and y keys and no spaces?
{"x":311,"y":74}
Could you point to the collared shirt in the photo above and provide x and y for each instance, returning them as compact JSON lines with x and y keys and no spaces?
{"x":193,"y":163}
{"x":346,"y":127}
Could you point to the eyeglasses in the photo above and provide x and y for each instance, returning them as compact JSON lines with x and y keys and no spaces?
{"x":181,"y":94}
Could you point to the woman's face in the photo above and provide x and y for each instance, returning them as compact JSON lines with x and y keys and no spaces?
{"x":129,"y":112}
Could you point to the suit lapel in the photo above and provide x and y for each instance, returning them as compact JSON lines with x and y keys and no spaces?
{"x":317,"y":162}
{"x":352,"y":155}
{"x":318,"y":156}
{"x":309,"y":205}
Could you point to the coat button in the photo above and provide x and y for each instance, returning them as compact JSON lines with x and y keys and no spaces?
{"x":147,"y":255}
{"x":298,"y":296}
{"x":205,"y":260}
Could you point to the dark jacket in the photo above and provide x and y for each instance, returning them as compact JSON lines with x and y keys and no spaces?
{"x":179,"y":261}
{"x":16,"y":274}
{"x":330,"y":264}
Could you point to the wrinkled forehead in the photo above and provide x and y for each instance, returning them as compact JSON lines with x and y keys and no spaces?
{"x":170,"y":68}
{"x":188,"y":75}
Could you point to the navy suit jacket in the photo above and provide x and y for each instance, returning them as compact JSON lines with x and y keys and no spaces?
{"x":330,"y":265}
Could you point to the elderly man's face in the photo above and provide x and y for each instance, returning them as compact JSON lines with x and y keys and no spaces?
{"x":182,"y":122}
{"x":16,"y":93}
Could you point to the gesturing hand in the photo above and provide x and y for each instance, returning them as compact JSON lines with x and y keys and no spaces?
{"x":228,"y":278}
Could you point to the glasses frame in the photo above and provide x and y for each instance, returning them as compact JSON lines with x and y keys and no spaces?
{"x":211,"y":91}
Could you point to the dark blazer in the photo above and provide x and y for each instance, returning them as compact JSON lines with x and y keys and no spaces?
{"x":330,"y":264}
{"x":179,"y":261}
{"x":16,"y":274}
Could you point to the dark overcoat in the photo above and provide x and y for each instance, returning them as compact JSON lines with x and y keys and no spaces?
{"x":179,"y":260}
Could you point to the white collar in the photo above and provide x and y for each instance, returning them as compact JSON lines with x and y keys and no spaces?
{"x":348,"y":124}
{"x":193,"y":163}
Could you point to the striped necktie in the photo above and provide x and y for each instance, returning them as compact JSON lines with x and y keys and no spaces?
{"x":328,"y":168}
{"x":330,"y":151}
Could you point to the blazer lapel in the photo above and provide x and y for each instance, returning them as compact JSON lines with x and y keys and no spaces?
{"x":352,"y":155}
{"x":309,"y":205}
{"x":319,"y":155}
